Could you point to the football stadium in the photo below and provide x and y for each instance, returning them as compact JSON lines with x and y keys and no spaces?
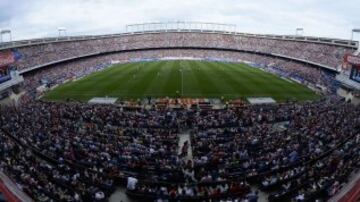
{"x":179,"y":111}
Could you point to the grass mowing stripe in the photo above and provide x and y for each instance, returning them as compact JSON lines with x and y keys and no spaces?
{"x":218,"y":72}
{"x":207,"y":84}
{"x":166,"y":82}
{"x":172,"y":84}
{"x":191,"y":82}
{"x":157,"y":83}
{"x":271,"y":84}
{"x":240,"y":81}
{"x":140,"y":82}
{"x":228,"y":77}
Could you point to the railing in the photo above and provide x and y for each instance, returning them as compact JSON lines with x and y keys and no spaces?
{"x":13,"y":81}
{"x":345,"y":80}
{"x":13,"y":191}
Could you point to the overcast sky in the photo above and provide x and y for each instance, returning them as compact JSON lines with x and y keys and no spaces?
{"x":40,"y":18}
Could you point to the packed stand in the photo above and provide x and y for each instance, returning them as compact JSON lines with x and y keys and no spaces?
{"x":326,"y":54}
{"x":44,"y":181}
{"x":266,"y":143}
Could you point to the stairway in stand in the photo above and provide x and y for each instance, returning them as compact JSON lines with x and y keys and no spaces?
{"x":185,"y":143}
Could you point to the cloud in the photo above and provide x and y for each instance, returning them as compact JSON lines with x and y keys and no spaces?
{"x":41,"y":18}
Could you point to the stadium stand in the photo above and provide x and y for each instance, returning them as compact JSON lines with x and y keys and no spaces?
{"x":227,"y":149}
{"x":320,"y":53}
{"x":80,"y":152}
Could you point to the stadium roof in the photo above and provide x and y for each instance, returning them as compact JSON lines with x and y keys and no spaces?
{"x":41,"y":18}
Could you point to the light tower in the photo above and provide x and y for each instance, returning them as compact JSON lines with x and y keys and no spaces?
{"x":352,"y":35}
{"x":62,"y":31}
{"x":4,"y":32}
{"x":299,"y":31}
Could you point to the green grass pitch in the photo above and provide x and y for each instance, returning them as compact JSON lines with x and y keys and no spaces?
{"x":188,"y":79}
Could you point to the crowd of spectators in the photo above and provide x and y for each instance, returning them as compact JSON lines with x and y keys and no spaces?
{"x":228,"y":145}
{"x":322,"y":179}
{"x":44,"y":181}
{"x":326,"y":54}
{"x":256,"y":148}
{"x":230,"y":191}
